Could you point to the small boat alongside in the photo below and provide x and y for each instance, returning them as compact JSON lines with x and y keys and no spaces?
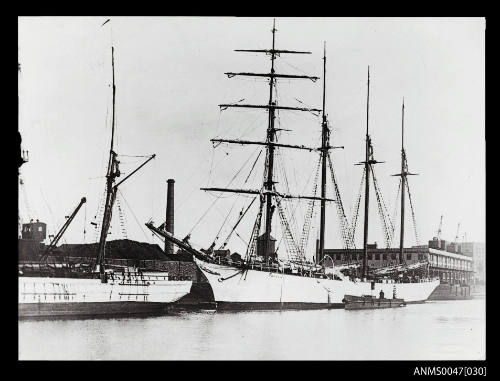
{"x":366,"y":302}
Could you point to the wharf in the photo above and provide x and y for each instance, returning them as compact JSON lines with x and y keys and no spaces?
{"x":446,"y":291}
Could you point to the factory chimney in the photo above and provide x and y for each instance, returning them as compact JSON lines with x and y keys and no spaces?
{"x":169,"y":246}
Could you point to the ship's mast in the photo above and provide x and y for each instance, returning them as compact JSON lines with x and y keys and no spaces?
{"x":367,"y":180}
{"x":268,"y":190}
{"x":403,"y":185}
{"x":111,"y":188}
{"x":271,"y":132}
{"x":325,"y":136}
{"x":369,"y":161}
{"x":112,"y":173}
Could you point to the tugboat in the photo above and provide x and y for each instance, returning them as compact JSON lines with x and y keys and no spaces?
{"x":367,"y":302}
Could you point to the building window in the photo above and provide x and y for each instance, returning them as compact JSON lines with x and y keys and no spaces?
{"x":338,"y":257}
{"x":384,"y":257}
{"x":370,"y":256}
{"x":408,"y":256}
{"x":420,"y":257}
{"x":393,"y":256}
{"x":354,"y":257}
{"x":40,"y":229}
{"x":377,"y":257}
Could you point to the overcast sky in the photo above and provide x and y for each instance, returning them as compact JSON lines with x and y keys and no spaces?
{"x":170,"y":80}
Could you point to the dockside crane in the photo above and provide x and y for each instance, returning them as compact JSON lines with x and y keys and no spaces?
{"x":456,"y":235}
{"x":49,"y":250}
{"x":439,"y":229}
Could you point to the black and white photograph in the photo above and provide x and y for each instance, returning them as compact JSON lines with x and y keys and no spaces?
{"x":251,"y":188}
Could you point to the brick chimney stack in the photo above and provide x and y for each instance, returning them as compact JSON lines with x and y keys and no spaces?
{"x":169,"y":246}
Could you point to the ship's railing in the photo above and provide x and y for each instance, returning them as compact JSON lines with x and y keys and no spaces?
{"x":274,"y":267}
{"x":135,"y":278}
{"x":176,"y":270}
{"x":417,"y":280}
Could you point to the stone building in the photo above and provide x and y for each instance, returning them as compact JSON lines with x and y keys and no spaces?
{"x":449,"y":267}
{"x":477,"y":251}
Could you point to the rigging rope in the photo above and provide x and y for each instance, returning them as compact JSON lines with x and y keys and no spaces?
{"x":306,"y":229}
{"x":290,"y":216}
{"x":213,"y":151}
{"x":396,"y":209}
{"x":242,"y":240}
{"x":242,"y":214}
{"x":253,"y":166}
{"x":345,"y":231}
{"x":383,"y":213}
{"x":121,"y":217}
{"x":224,"y":222}
{"x":98,"y":216}
{"x":413,"y":214}
{"x":135,"y":217}
{"x":251,"y":248}
{"x":354,"y":222}
{"x":291,"y":246}
{"x":219,"y":197}
{"x":296,"y":207}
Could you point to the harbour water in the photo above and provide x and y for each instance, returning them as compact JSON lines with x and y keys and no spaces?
{"x":436,"y":330}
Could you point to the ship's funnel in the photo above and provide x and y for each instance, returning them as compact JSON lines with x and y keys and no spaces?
{"x":169,"y":226}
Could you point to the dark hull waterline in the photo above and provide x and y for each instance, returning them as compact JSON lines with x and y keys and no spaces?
{"x":91,"y":309}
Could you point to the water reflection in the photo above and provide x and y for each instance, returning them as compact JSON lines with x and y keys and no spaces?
{"x":434,"y":330}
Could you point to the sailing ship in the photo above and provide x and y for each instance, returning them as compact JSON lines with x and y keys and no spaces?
{"x":91,"y":289}
{"x":263,"y":281}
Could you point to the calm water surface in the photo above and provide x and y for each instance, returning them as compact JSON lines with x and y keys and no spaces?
{"x":435,"y":330}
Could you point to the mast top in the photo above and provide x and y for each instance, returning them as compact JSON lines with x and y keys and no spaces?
{"x":367,"y":101}
{"x":402,"y":125}
{"x":324,"y":79}
{"x":114,"y":94}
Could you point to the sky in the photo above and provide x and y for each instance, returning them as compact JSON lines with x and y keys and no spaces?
{"x":169,"y":75}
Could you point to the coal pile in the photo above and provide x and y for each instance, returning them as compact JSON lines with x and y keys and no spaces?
{"x":122,"y":249}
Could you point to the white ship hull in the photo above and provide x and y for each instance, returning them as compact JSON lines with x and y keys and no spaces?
{"x":255,"y":289}
{"x":151,"y":292}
